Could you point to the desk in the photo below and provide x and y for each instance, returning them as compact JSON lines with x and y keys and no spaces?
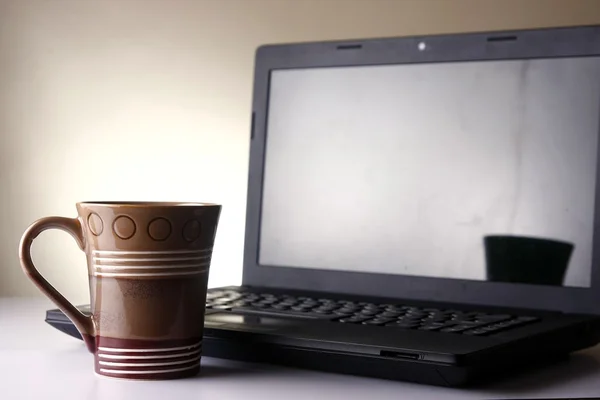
{"x":39,"y":362}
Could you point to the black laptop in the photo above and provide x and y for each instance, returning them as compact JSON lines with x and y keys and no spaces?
{"x":419,"y":208}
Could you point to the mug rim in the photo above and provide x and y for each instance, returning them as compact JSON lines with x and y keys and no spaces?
{"x":147,"y":204}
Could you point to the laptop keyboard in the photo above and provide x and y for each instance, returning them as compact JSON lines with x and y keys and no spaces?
{"x":394,"y":316}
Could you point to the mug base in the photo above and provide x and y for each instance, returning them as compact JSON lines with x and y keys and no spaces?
{"x":147,"y":360}
{"x":193,"y":372}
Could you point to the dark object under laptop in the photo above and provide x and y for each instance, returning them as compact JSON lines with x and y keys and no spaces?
{"x":418,"y":209}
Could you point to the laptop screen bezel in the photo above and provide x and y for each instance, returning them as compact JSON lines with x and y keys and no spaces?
{"x":526,"y":44}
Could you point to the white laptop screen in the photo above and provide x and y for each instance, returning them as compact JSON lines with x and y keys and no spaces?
{"x":472,"y":170}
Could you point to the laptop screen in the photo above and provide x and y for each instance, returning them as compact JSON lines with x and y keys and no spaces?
{"x":479,"y":170}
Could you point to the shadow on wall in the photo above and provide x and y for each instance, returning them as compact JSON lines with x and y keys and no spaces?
{"x":521,"y":259}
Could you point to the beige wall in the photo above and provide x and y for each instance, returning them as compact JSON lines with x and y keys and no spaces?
{"x":148,"y":99}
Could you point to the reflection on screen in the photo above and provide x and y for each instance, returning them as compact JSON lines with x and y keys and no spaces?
{"x":474,"y":170}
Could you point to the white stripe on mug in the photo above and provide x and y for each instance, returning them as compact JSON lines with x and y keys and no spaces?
{"x":142,"y":274}
{"x":133,"y":259}
{"x":159,"y":364}
{"x":147,"y":357}
{"x":122,"y":350}
{"x":157,"y":252}
{"x":160,"y":371}
{"x":151,"y":267}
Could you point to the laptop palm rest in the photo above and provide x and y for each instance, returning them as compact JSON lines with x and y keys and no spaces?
{"x":346,"y":337}
{"x":247,"y":322}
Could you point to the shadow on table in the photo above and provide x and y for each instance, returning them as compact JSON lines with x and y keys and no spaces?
{"x":578,"y":367}
{"x":217,"y":371}
{"x":220,"y":368}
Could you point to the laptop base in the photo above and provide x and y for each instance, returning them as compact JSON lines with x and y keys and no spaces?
{"x":251,"y":344}
{"x":374,"y":367}
{"x":392,"y":368}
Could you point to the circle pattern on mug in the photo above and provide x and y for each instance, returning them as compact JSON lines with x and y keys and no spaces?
{"x":95,"y":224}
{"x":159,"y":229}
{"x":191,"y":230}
{"x":124,"y":227}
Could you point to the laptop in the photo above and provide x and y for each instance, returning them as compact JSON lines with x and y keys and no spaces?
{"x":419,"y":208}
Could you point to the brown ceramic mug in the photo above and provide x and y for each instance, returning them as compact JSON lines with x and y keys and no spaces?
{"x":148,"y":267}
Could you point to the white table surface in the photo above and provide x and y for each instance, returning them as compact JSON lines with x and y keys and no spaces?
{"x":39,"y":362}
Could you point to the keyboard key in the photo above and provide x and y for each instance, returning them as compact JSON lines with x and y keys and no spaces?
{"x":390,"y":314}
{"x":501,"y":325}
{"x":320,"y":311}
{"x":395,"y":309}
{"x":404,"y":325}
{"x":475,"y":332}
{"x":327,"y":307}
{"x":437,"y":314}
{"x":288,"y":303}
{"x":457,"y":328}
{"x":239,"y":303}
{"x":431,"y":327}
{"x":473,"y":314}
{"x":417,"y":314}
{"x":472,"y":324}
{"x":436,"y":319}
{"x":221,"y":300}
{"x":343,"y":311}
{"x":259,"y":304}
{"x":300,"y":308}
{"x":481,"y":320}
{"x":306,"y":305}
{"x":378,"y":321}
{"x":371,"y":307}
{"x":452,"y":312}
{"x":266,"y":303}
{"x":369,"y":312}
{"x":351,"y":312}
{"x":221,"y":307}
{"x":330,"y":307}
{"x":411,"y":318}
{"x":353,"y":320}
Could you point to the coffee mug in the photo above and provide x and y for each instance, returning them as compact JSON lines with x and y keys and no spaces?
{"x":148,"y":266}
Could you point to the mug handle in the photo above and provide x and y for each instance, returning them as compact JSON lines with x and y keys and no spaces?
{"x":83,"y":323}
